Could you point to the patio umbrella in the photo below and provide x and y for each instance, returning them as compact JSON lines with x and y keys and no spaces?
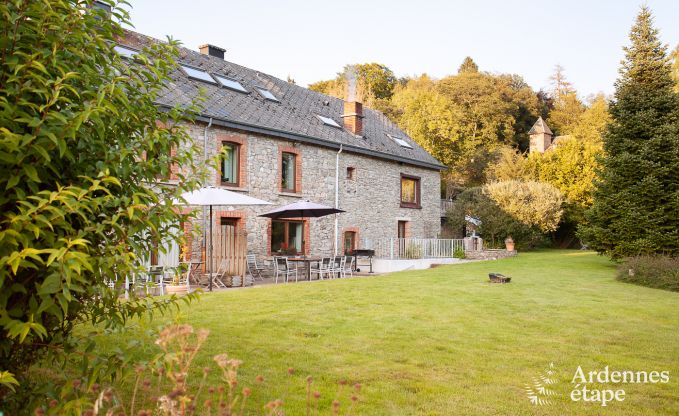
{"x":301,"y":209}
{"x":210,"y":196}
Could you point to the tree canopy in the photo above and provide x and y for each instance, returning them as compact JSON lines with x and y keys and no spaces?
{"x":468,"y":65}
{"x":372,"y":83}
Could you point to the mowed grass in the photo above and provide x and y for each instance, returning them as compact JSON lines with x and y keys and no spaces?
{"x":445,"y":342}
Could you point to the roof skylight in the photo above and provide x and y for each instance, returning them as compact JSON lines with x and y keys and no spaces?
{"x":230,"y":83}
{"x":400,"y":141}
{"x":328,"y":121}
{"x":198,"y":74}
{"x":266,"y":94}
{"x":125,"y":52}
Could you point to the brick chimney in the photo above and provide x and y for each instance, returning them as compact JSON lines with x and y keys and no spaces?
{"x":353,"y":117}
{"x":212,"y":50}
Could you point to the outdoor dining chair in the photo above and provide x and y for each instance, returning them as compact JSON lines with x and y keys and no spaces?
{"x":255,"y":270}
{"x":335,"y":266}
{"x":154,"y":279}
{"x":348,"y":266}
{"x":322,"y":268}
{"x":219,"y":277}
{"x":282,"y":267}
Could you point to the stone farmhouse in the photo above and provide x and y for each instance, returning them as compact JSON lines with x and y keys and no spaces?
{"x":286,"y":143}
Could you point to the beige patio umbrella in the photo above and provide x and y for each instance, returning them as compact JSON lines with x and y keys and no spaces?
{"x":210,"y":196}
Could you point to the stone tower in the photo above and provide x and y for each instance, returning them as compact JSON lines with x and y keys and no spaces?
{"x":540,"y":136}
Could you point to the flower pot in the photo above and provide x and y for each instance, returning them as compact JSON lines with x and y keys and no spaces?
{"x":509,"y":244}
{"x":176,"y":290}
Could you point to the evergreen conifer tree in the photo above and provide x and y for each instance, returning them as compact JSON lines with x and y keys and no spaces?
{"x":636,"y":203}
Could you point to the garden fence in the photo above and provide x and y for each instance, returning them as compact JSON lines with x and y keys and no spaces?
{"x":413,"y":248}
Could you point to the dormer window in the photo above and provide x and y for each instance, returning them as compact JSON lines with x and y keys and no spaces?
{"x":267,"y":94}
{"x":198,"y":74}
{"x":125,"y":52}
{"x":400,"y":141}
{"x":328,"y":121}
{"x":231,"y":84}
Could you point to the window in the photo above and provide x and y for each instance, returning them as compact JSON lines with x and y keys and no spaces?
{"x":125,"y":52}
{"x":328,"y":121}
{"x":231,"y":84}
{"x":410,"y":191}
{"x":350,"y":172}
{"x":400,"y":141}
{"x":230,"y":163}
{"x":266,"y":94}
{"x":288,"y":173}
{"x":287,"y":237}
{"x":198,"y":74}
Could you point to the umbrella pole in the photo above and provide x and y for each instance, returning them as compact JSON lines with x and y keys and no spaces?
{"x":209,"y":266}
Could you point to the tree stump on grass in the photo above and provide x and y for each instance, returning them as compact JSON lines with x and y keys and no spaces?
{"x":499,"y":278}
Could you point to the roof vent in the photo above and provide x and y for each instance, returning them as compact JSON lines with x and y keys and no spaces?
{"x":212,"y":50}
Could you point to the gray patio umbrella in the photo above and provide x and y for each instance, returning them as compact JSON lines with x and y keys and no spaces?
{"x":211,"y":196}
{"x":301,"y":209}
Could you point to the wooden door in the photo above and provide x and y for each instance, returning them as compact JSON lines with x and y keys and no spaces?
{"x":230,"y":247}
{"x":349,"y":242}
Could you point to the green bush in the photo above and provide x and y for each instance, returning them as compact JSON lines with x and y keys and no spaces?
{"x":660,"y":272}
{"x":496,"y":224}
{"x":459,"y":253}
{"x":412,"y":251}
{"x":535,"y":204}
{"x":83,"y":144}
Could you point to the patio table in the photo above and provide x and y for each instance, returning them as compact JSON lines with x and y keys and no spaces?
{"x":192,"y":266}
{"x":307,"y":262}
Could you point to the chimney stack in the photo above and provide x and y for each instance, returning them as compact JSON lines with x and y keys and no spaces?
{"x":353,"y":117}
{"x":212,"y":50}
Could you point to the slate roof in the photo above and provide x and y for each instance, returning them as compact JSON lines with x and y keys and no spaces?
{"x":293,"y":117}
{"x":540,"y":127}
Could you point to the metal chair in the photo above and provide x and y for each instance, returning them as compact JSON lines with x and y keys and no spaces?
{"x":340,"y":266}
{"x":282,"y":267}
{"x":155,"y":278}
{"x":323,"y":267}
{"x":254,"y":269}
{"x":334,"y":266}
{"x":348,"y":266}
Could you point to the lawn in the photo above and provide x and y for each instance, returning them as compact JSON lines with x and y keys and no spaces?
{"x":445,"y":342}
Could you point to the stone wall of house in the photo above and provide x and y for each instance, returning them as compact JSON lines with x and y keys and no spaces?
{"x":371,"y":198}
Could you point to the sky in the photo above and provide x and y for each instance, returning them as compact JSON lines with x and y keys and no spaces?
{"x":311,"y":40}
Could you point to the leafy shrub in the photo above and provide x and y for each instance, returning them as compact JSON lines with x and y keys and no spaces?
{"x":496,"y":224}
{"x":412,"y":251}
{"x":459,"y":253}
{"x":660,"y":272}
{"x":83,"y":146}
{"x":535,"y":204}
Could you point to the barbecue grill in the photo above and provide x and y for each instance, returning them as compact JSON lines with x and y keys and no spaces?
{"x":362,"y":252}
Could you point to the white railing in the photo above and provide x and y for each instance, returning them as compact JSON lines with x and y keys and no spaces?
{"x":413,"y":248}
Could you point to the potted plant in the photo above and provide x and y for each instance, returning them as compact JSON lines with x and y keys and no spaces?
{"x":176,"y":286}
{"x":509,"y":243}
